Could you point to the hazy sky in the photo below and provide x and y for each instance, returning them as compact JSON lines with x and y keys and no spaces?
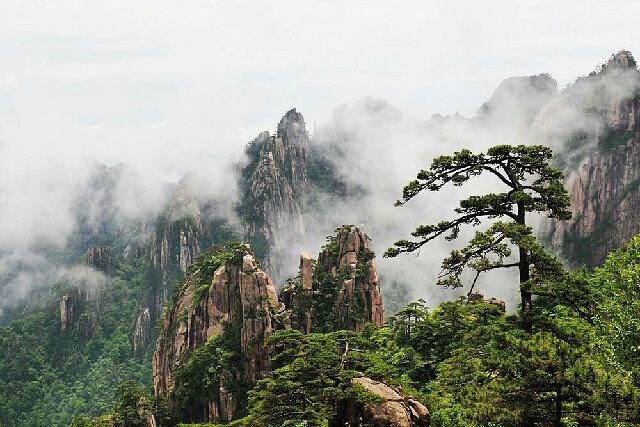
{"x":110,"y":79}
{"x":170,"y":87}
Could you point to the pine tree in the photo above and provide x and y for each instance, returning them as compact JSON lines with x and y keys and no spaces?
{"x":531,"y":185}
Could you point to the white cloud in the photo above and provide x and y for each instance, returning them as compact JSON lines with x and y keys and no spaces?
{"x":171,"y":86}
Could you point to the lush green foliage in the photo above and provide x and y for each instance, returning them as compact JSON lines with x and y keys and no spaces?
{"x":472,"y":364}
{"x":570,"y":360}
{"x":562,"y":366}
{"x":617,"y":292}
{"x":312,"y":372}
{"x":134,"y":407}
{"x":48,"y":376}
{"x":573,"y":363}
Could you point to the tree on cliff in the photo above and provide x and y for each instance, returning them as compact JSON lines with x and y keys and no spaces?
{"x":531,"y":186}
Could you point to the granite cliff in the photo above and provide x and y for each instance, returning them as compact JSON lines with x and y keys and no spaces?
{"x":238,"y":303}
{"x":188,"y":225}
{"x":83,"y":301}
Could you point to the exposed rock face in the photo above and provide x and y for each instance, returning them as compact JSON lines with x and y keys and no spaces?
{"x":476,"y":297}
{"x":175,"y":245}
{"x":394,"y":410}
{"x":83,"y":302}
{"x":241,"y":301}
{"x":346,"y":272}
{"x":600,"y":158}
{"x":290,"y":148}
{"x":133,"y":251}
{"x":361,"y":291}
{"x":275,"y":181}
{"x":278,"y":212}
{"x":141,"y":330}
{"x":79,"y":310}
{"x":68,"y":309}
{"x":241,"y":305}
{"x":143,"y":412}
{"x":192,"y":221}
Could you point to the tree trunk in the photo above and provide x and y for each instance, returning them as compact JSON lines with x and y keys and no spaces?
{"x":525,"y":286}
{"x":525,"y":275}
{"x":558,"y":415}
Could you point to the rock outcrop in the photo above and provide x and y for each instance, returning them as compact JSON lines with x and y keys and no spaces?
{"x":190,"y":223}
{"x":239,"y":304}
{"x":341,"y":292}
{"x":477,"y":297}
{"x":141,"y":332}
{"x":394,"y":410}
{"x":175,"y":245}
{"x":83,"y":302}
{"x":598,"y":120}
{"x":80,"y":308}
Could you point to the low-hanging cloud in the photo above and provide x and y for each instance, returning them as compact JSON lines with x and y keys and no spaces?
{"x":378,"y":150}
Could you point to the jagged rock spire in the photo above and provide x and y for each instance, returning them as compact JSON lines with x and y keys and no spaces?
{"x":346,"y":272}
{"x":276,"y":182}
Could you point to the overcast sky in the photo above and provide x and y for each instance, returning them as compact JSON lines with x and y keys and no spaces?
{"x":112,"y":79}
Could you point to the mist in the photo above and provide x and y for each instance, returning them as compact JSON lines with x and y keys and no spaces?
{"x":168,"y":89}
{"x":380,"y":152}
{"x":376,"y":150}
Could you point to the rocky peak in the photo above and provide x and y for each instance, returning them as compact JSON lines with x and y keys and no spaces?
{"x":79,"y":310}
{"x":341,"y":292}
{"x":274,"y":182}
{"x":620,"y":61}
{"x":517,"y":100}
{"x":141,"y":331}
{"x":290,"y":147}
{"x":274,"y":212}
{"x":100,"y":258}
{"x":83,"y":302}
{"x":175,"y":244}
{"x":358,"y":297}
